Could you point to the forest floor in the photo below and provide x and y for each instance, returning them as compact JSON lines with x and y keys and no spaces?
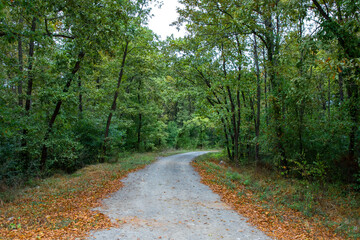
{"x":61,"y":207}
{"x":283,"y":208}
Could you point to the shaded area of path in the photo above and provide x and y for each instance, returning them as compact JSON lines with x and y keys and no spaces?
{"x":167,"y":201}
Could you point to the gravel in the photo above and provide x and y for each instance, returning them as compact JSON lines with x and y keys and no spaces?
{"x":167,"y":201}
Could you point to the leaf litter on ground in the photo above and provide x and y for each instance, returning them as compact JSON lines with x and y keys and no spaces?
{"x":279,"y":224}
{"x":61,"y":207}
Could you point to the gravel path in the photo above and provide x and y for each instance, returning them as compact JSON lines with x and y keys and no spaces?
{"x":167,"y":201}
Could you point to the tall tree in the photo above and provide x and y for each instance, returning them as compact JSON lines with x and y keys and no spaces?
{"x":347,"y":14}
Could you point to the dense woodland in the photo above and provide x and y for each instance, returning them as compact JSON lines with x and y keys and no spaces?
{"x":274,"y":83}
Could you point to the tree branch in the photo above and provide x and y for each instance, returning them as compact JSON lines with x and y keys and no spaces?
{"x":55,"y":35}
{"x":321,"y":10}
{"x":62,"y":36}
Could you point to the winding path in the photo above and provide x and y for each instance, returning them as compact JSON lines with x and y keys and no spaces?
{"x":167,"y":201}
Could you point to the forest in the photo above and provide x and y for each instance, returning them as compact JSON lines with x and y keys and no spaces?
{"x":274,"y":83}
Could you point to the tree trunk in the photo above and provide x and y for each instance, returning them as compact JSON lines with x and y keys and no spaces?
{"x":238,"y":116}
{"x":276,"y":89}
{"x":30,"y":68}
{"x":322,"y":94}
{"x":271,"y":41}
{"x":258,"y":103}
{"x":349,"y":42}
{"x":225,"y":128}
{"x":30,"y":78}
{"x":21,"y":68}
{"x":80,"y":98}
{"x":353,"y":95}
{"x":113,"y":106}
{"x":329,"y":99}
{"x":341,"y":85}
{"x":236,"y":128}
{"x":300,"y":110}
{"x":44,"y":151}
{"x":139,"y":131}
{"x":98,"y":85}
{"x":265,"y":90}
{"x":139,"y":118}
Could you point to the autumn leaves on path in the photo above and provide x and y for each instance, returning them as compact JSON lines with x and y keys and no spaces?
{"x":167,"y":201}
{"x":163,"y":201}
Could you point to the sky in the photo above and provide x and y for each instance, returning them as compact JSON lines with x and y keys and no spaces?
{"x":163,"y":17}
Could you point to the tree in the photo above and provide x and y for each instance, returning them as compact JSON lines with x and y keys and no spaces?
{"x":339,"y":22}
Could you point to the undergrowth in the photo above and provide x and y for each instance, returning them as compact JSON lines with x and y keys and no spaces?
{"x":122,"y":161}
{"x":332,"y":205}
{"x":61,"y":206}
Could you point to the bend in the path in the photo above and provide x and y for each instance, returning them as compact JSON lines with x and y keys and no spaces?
{"x":167,"y":201}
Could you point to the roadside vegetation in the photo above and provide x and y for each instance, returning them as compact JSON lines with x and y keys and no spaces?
{"x":61,"y":206}
{"x":285,"y":208}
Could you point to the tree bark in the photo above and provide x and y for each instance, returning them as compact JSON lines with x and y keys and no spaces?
{"x":226,"y":123}
{"x":30,"y":68}
{"x":329,"y":99}
{"x":271,"y":41}
{"x":276,"y":89}
{"x":44,"y":151}
{"x":235,"y":127}
{"x":21,"y":69}
{"x":139,"y":118}
{"x":30,"y":78}
{"x":341,"y":85}
{"x":258,"y":103}
{"x":80,"y":97}
{"x":265,"y":90}
{"x":139,"y":131}
{"x":225,"y":128}
{"x":113,"y":106}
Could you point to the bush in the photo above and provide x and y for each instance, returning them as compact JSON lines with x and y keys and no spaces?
{"x":90,"y":136}
{"x":172,"y":131}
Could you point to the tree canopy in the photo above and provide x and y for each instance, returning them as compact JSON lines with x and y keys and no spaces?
{"x":273,"y":82}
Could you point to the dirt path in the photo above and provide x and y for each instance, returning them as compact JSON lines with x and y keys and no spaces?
{"x":167,"y":201}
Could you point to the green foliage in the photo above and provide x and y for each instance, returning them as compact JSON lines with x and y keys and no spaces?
{"x":89,"y":135}
{"x":69,"y":94}
{"x":64,"y":154}
{"x":310,"y":171}
{"x":195,"y":133}
{"x":249,"y":78}
{"x":234,"y":176}
{"x":282,"y":97}
{"x":173,"y":131}
{"x":318,"y":200}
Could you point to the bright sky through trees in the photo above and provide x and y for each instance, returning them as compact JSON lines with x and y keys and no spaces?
{"x":163,"y":17}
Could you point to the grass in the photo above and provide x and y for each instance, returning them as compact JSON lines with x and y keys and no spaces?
{"x":331,"y":206}
{"x":61,"y":206}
